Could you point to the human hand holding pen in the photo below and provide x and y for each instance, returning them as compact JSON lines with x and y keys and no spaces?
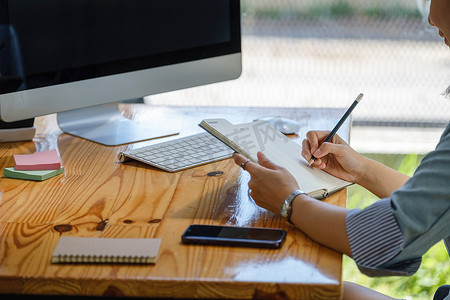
{"x":339,"y":124}
{"x":335,"y":157}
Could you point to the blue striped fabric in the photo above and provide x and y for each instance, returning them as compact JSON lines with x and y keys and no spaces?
{"x":374,"y":235}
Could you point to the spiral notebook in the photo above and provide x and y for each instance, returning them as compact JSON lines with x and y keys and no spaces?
{"x":106,"y":250}
{"x":247,"y":139}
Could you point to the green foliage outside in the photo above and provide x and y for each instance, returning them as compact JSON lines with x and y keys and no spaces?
{"x":345,"y":9}
{"x":435,"y":268}
{"x":334,"y":10}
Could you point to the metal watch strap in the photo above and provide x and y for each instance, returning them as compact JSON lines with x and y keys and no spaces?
{"x":286,"y":206}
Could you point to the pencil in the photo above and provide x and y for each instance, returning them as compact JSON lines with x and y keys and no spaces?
{"x":339,"y":124}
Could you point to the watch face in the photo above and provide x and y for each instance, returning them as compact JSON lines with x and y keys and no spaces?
{"x":283,"y":210}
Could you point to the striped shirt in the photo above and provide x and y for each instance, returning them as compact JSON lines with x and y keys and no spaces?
{"x":375,"y":238}
{"x":390,"y":236}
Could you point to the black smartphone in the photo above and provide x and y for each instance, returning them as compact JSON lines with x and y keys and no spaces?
{"x":234,"y":236}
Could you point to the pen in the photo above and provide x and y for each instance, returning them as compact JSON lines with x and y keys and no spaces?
{"x":338,"y":125}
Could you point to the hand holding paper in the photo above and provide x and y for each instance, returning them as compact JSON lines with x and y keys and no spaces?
{"x":248,"y":139}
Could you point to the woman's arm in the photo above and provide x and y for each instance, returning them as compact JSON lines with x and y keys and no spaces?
{"x":323,"y":222}
{"x":380,"y":179}
{"x":270,"y":185}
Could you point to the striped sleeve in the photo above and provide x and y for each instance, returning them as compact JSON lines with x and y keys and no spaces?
{"x":375,"y":238}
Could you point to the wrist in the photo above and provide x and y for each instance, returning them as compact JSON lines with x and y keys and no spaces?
{"x":286,"y":206}
{"x":364,"y":171}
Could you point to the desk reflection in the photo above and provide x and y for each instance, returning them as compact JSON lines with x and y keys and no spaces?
{"x":291,"y":269}
{"x":237,"y":207}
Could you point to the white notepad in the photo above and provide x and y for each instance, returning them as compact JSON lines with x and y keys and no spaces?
{"x":247,"y":139}
{"x":106,"y":250}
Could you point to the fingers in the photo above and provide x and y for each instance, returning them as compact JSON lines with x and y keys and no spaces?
{"x":312,"y":143}
{"x":313,"y":146}
{"x":244,"y":162}
{"x":251,"y":167}
{"x":265,"y":162}
{"x":240,"y":159}
{"x":269,"y":184}
{"x":327,"y":148}
{"x":306,"y":149}
{"x":314,"y":138}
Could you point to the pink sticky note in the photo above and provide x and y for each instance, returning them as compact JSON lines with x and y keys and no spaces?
{"x":45,"y":160}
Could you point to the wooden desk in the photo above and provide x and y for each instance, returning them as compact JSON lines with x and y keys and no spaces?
{"x":99,"y":197}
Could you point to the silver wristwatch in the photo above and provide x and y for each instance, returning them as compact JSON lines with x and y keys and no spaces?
{"x":286,"y":207}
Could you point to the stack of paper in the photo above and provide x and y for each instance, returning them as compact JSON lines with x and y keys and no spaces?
{"x":38,"y":166}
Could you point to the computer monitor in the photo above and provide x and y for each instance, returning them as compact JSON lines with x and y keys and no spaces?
{"x":79,"y":58}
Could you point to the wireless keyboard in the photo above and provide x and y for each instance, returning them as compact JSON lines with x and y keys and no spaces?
{"x":182,"y":153}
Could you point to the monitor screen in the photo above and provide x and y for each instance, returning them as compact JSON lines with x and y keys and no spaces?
{"x":64,"y":55}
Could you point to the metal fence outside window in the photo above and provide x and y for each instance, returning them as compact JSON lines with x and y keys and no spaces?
{"x":322,"y":53}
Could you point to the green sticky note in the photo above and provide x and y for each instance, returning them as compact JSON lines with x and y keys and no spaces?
{"x":37,"y":175}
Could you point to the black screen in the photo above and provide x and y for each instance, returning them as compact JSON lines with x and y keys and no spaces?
{"x":62,"y":41}
{"x":231,"y":232}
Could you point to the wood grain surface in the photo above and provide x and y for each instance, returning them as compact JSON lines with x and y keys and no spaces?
{"x":99,"y":197}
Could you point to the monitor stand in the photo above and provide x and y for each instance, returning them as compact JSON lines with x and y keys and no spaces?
{"x":104,"y":124}
{"x":17,"y":131}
